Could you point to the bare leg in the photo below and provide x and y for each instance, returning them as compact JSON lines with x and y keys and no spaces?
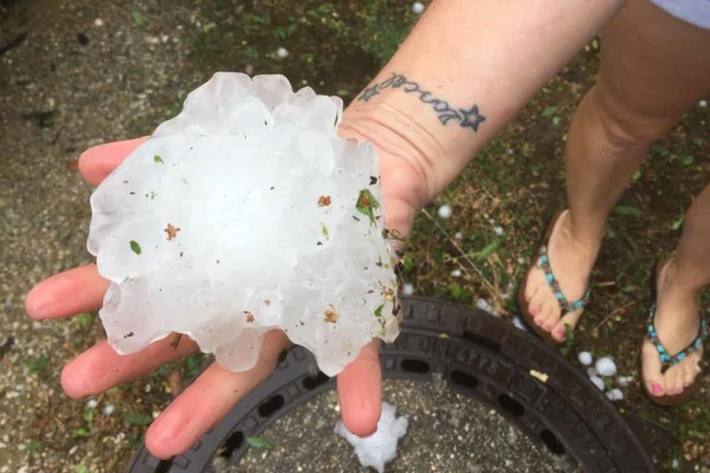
{"x":653,"y":68}
{"x":677,"y":314}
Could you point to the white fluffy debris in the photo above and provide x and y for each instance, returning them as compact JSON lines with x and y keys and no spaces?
{"x":418,"y":8}
{"x":605,"y":366}
{"x":598,"y":382}
{"x":444,"y":212}
{"x":615,"y":394}
{"x":519,"y":324}
{"x":585,"y":358}
{"x":485,"y":306}
{"x":282,"y":53}
{"x":379,"y":448}
{"x":623,"y":381}
{"x":241,"y":215}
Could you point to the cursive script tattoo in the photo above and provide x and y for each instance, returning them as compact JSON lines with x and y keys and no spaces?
{"x":466,"y":118}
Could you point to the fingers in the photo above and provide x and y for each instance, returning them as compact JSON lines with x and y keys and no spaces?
{"x":360,"y":391}
{"x":100,"y":368}
{"x":206,"y":401}
{"x":77,"y":290}
{"x":99,"y":161}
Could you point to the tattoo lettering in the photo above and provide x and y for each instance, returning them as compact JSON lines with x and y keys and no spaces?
{"x":467,"y":118}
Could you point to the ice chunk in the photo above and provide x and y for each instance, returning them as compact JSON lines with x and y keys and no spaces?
{"x":598,"y":382}
{"x":585,"y":358}
{"x":418,"y":8}
{"x":605,"y":366}
{"x":408,"y":289}
{"x":445,"y":212}
{"x":245,"y":213}
{"x":615,"y":394}
{"x":379,"y":448}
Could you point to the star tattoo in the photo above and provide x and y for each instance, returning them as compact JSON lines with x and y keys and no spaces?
{"x":471,"y":118}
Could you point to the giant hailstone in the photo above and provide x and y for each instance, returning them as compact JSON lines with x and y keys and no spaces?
{"x":245,"y":213}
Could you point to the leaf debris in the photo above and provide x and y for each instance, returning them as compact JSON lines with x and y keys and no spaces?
{"x":135,"y":247}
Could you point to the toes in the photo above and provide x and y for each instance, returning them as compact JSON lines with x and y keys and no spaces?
{"x":674,"y":380}
{"x":531,"y":288}
{"x":553,"y":314}
{"x":543,"y":313}
{"x":559,"y":331}
{"x":536,"y":304}
{"x":691,"y":369}
{"x":651,"y":370}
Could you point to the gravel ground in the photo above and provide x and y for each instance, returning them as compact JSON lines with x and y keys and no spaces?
{"x":447,"y":432}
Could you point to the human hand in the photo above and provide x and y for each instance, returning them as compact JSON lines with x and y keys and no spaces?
{"x":208,"y":399}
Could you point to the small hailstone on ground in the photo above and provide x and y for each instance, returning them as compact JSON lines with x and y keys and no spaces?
{"x":499,"y":230}
{"x":185,"y":228}
{"x":379,"y":448}
{"x":485,"y":306}
{"x":458,"y":236}
{"x":598,"y":382}
{"x":703,"y":103}
{"x":282,"y":53}
{"x":605,"y":366}
{"x":585,"y":358}
{"x":99,"y":22}
{"x":92,"y":403}
{"x":408,"y":289}
{"x":456,"y":273}
{"x":444,"y":211}
{"x":615,"y":395}
{"x":518,"y":323}
{"x":418,"y":7}
{"x":108,"y":409}
{"x":623,"y":381}
{"x":592,"y":371}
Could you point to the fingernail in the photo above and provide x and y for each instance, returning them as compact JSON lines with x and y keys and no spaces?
{"x":37,"y":306}
{"x":656,"y":389}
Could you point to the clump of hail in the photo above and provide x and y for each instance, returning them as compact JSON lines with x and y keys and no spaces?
{"x":243,"y":214}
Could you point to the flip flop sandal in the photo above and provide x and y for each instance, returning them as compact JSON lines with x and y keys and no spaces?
{"x":541,"y":260}
{"x":668,"y":360}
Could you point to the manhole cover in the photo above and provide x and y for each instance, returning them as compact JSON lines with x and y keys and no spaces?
{"x":479,"y":356}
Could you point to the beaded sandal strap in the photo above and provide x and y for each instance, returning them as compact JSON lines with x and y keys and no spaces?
{"x":664,"y":355}
{"x":543,"y":262}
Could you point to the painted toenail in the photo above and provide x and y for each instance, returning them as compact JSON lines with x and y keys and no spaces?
{"x":656,"y":389}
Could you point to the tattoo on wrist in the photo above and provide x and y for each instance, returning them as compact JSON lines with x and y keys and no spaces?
{"x":467,"y":118}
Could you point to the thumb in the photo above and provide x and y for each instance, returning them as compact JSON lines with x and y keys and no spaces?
{"x":360,"y":391}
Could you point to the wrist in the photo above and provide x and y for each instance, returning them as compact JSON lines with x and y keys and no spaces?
{"x":409,"y":154}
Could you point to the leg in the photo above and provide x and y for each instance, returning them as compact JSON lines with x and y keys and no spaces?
{"x":678,"y":314}
{"x":651,"y":72}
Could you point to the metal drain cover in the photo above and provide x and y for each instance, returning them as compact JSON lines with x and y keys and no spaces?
{"x":480,"y":356}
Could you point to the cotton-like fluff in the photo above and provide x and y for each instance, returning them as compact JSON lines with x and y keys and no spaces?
{"x":246,"y":213}
{"x":379,"y":448}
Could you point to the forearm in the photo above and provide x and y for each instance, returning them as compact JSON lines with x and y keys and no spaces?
{"x":464,"y":71}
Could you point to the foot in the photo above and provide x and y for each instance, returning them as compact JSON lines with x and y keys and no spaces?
{"x":677,"y":323}
{"x":572,"y":261}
